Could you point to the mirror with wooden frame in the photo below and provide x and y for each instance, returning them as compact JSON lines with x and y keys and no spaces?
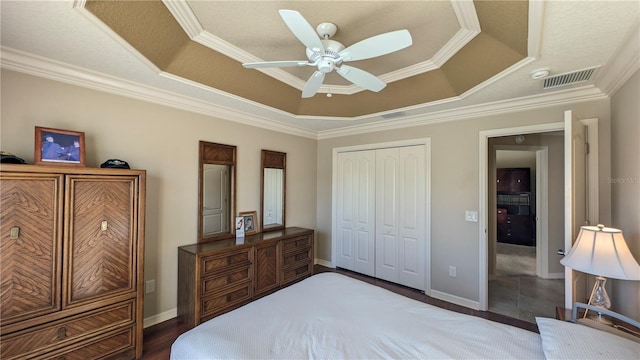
{"x":216,"y":191}
{"x":273,"y":181}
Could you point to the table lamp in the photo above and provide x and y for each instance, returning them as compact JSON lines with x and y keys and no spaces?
{"x":602,"y":252}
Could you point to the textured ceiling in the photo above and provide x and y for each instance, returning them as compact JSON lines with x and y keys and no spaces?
{"x":466,"y":57}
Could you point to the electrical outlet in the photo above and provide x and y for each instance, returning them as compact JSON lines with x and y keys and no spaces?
{"x":452,"y":271}
{"x":149,"y":286}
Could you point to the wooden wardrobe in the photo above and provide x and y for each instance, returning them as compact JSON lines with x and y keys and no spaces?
{"x":71,"y":262}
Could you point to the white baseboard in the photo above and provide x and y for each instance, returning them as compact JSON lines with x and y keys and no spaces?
{"x":158,"y":318}
{"x":454,"y":299}
{"x":559,"y":275}
{"x":324,"y":263}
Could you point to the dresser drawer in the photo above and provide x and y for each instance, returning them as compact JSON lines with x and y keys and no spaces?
{"x":118,"y":345}
{"x":296,"y":243}
{"x":219,"y":262}
{"x":65,"y":332}
{"x":220,"y":302}
{"x":300,"y":256}
{"x":297,"y":272}
{"x":228,"y":278}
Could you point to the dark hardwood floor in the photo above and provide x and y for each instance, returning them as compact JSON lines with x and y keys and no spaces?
{"x":158,"y":338}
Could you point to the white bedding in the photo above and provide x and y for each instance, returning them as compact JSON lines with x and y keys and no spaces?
{"x":332,"y":316}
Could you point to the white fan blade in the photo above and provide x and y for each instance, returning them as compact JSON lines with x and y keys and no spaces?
{"x":313,"y":84}
{"x":265,"y":64}
{"x":361,"y":78}
{"x":377,"y":46}
{"x":302,"y":30}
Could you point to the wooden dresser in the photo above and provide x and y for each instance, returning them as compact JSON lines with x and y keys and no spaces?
{"x":71,"y":262}
{"x":219,"y":276}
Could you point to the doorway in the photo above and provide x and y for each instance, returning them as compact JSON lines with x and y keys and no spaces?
{"x":579,"y":135}
{"x":524,"y":279}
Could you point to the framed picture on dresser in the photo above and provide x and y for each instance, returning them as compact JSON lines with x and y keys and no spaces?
{"x":59,"y":147}
{"x":250,"y":222}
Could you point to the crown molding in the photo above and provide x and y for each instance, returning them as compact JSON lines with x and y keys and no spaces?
{"x":464,"y":10}
{"x":79,"y":6}
{"x":14,"y":60}
{"x":564,"y":97}
{"x":623,"y":65}
{"x":182,"y":12}
{"x":536,"y":22}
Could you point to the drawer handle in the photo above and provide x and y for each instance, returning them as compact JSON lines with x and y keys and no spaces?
{"x":15,"y":233}
{"x":62,"y":333}
{"x":103,"y":225}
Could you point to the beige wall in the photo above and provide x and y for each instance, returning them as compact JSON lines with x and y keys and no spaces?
{"x":454,"y":186}
{"x":163,"y":141}
{"x":625,"y":186}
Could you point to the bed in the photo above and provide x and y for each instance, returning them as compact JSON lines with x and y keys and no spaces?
{"x":333,"y":316}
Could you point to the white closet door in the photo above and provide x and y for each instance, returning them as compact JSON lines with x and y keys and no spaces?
{"x":356,"y":211}
{"x":387,"y":167}
{"x":411,"y":224}
{"x":400,"y":216}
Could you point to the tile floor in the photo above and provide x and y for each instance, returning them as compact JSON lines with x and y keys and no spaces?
{"x":516,"y":291}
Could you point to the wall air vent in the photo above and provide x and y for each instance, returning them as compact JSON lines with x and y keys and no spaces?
{"x":570,"y":78}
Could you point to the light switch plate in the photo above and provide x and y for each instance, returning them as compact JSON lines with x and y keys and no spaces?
{"x":471,"y":216}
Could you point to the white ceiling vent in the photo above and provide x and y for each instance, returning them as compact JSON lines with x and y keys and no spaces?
{"x":393,"y":115}
{"x":569,"y":78}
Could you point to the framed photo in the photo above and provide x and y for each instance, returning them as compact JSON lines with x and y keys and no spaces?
{"x":59,"y":147}
{"x":239,"y":226}
{"x":250,"y":222}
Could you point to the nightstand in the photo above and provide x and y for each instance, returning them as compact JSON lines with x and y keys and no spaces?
{"x":566,"y":314}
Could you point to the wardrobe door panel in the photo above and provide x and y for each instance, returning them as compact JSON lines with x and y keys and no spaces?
{"x":345,"y":210}
{"x":30,"y":248}
{"x":412,"y":219}
{"x":387,"y":167}
{"x":364,"y":261}
{"x":356,"y":211}
{"x":101,"y":237}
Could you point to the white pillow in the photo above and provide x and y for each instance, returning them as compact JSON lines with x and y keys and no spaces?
{"x":566,"y":340}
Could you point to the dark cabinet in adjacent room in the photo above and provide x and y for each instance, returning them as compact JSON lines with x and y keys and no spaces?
{"x":515,"y":218}
{"x":513,"y":180}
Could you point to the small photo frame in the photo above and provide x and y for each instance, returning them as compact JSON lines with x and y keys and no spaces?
{"x":250,"y":222}
{"x":59,"y":147}
{"x":239,"y":226}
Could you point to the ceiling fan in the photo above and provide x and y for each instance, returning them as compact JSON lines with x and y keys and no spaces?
{"x":328,"y":55}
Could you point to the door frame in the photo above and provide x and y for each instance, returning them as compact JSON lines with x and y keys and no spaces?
{"x":334,"y":195}
{"x":483,"y":218}
{"x":575,"y":281}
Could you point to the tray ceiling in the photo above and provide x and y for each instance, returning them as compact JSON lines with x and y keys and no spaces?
{"x":467,"y":57}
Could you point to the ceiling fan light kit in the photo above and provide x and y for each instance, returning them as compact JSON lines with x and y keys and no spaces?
{"x":328,"y":55}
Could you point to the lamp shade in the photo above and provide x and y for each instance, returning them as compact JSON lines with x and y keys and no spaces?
{"x":602,"y":251}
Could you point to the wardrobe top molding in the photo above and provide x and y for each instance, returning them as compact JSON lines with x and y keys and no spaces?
{"x":47,"y":169}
